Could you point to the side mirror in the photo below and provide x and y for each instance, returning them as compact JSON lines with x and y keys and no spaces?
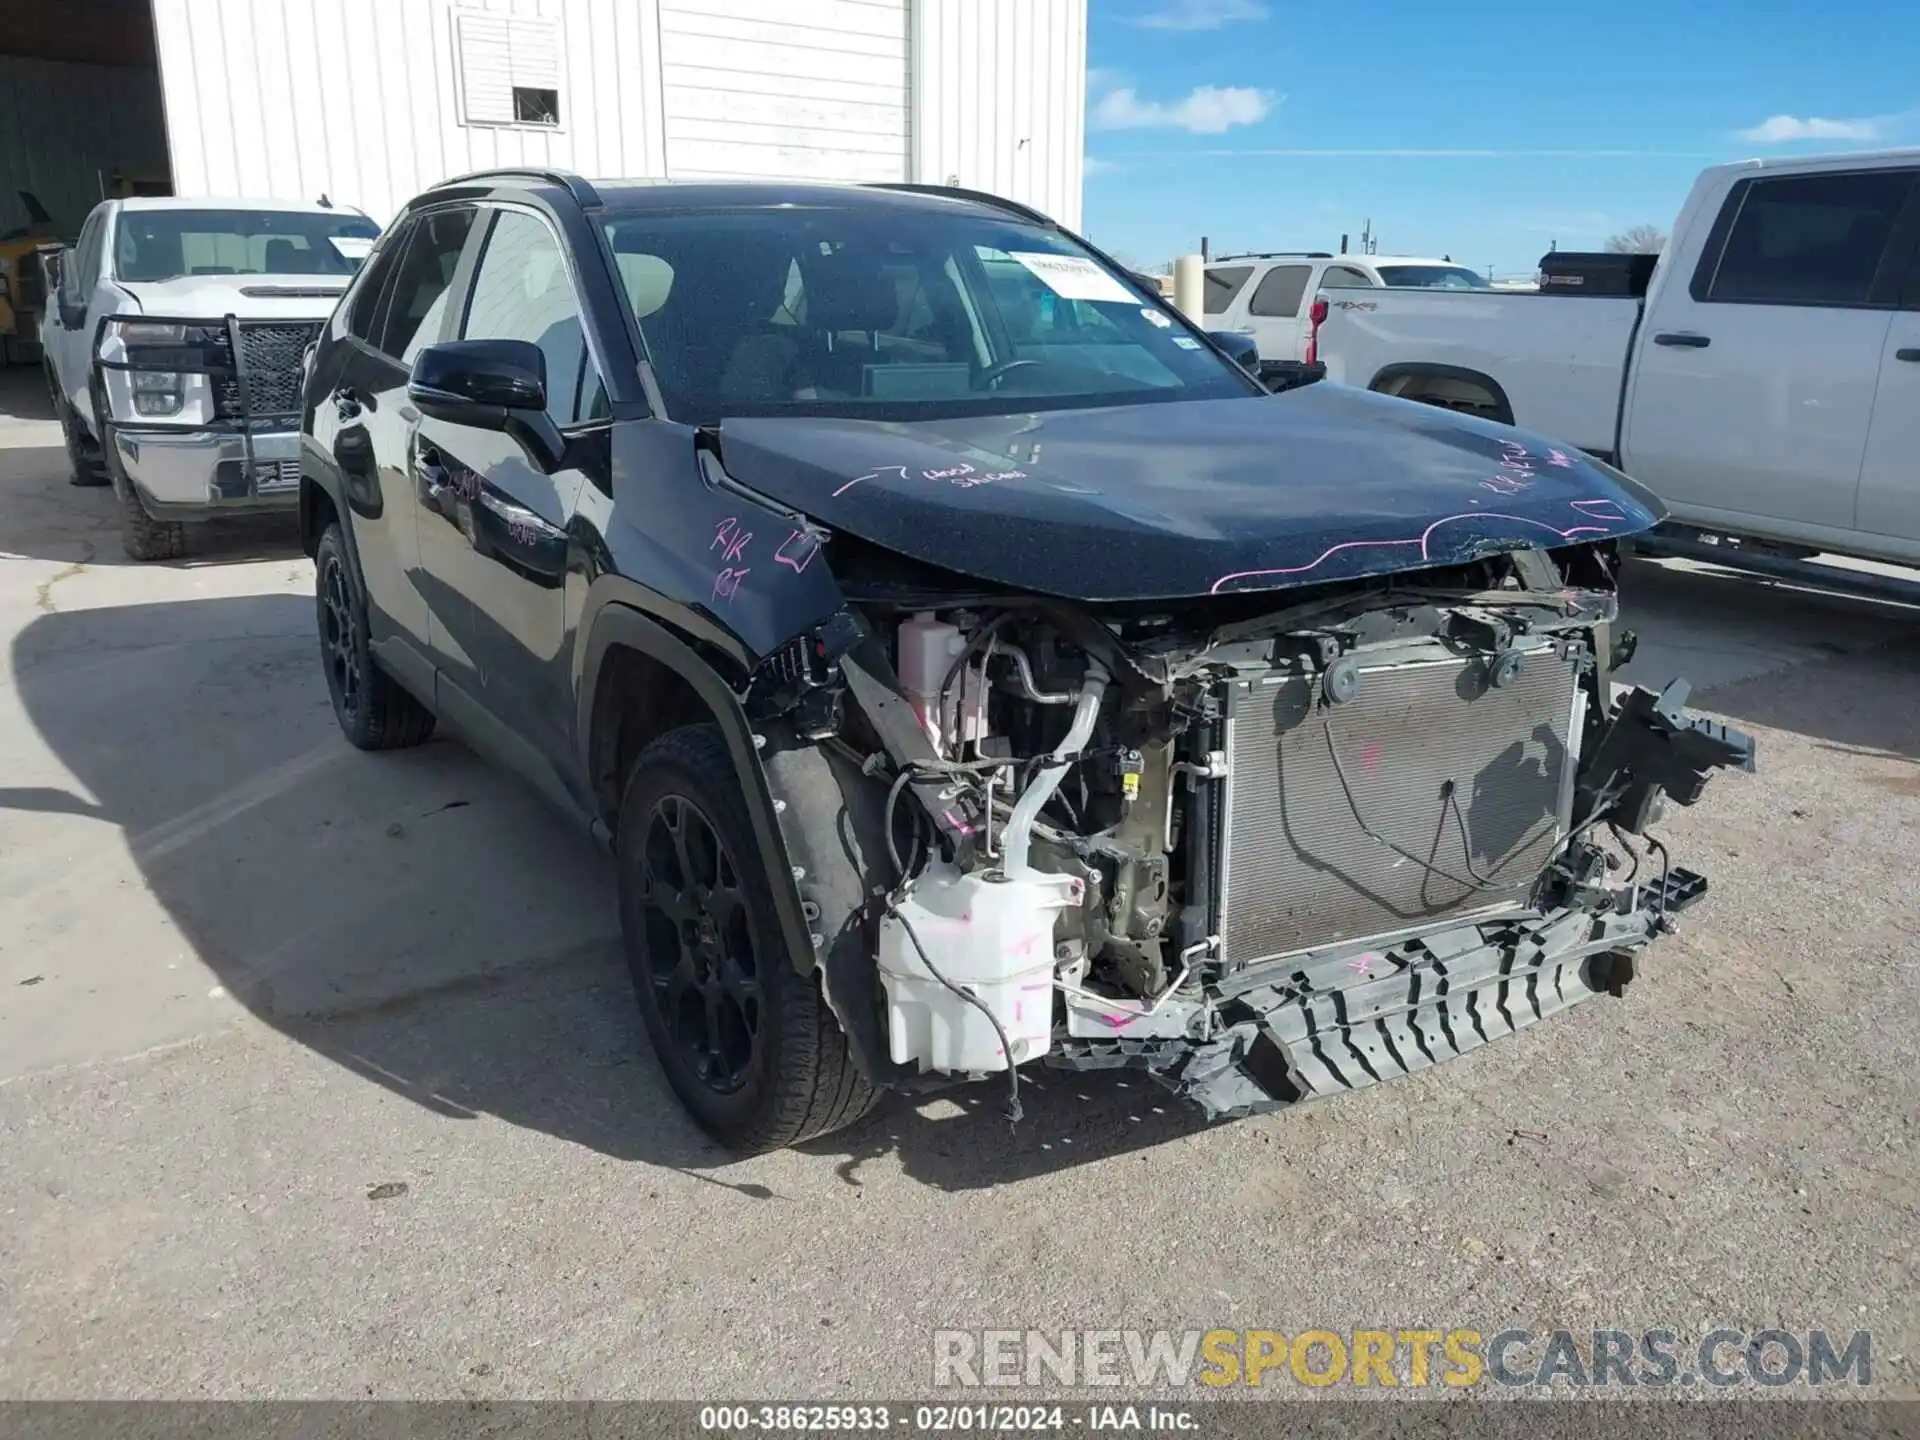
{"x":1244,"y":349}
{"x":67,"y":297}
{"x":489,"y":385}
{"x":478,"y":382}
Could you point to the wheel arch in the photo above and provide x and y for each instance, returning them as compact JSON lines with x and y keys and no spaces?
{"x":639,"y":679}
{"x":317,"y":508}
{"x":1390,"y":374}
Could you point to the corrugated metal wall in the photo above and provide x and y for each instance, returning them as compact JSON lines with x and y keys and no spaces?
{"x":1000,"y":90}
{"x":62,"y":126}
{"x":805,"y":90}
{"x":360,"y":98}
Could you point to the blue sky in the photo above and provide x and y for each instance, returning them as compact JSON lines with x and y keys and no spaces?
{"x":1480,"y":129}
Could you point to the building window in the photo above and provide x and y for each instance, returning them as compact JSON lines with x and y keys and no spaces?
{"x":509,"y":69}
{"x":532,"y":106}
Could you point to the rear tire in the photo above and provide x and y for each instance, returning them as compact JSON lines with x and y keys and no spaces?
{"x":746,"y":1040}
{"x":143,"y":537}
{"x":375,"y":712}
{"x":86,"y":466}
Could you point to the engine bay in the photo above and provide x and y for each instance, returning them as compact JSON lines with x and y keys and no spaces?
{"x":1106,"y":827}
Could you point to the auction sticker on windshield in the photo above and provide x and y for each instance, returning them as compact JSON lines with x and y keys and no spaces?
{"x":351,"y":247}
{"x":1073,"y":277}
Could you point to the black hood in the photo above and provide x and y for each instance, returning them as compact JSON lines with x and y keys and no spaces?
{"x":1161,"y":500}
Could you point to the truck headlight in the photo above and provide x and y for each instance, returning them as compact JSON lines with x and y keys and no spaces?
{"x":156,"y":392}
{"x":162,"y":372}
{"x":164,"y":344}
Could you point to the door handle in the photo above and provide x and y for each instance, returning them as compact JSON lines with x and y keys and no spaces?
{"x":431,"y":475}
{"x":1685,"y":339}
{"x":1909,"y":354}
{"x":346,"y":403}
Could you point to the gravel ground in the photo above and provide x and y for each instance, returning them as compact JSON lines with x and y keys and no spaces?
{"x":319,"y":1076}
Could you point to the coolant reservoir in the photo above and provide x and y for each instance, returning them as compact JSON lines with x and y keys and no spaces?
{"x":927,"y":648}
{"x":993,"y":938}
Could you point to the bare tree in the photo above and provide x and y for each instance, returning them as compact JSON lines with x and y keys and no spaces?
{"x":1638,"y":240}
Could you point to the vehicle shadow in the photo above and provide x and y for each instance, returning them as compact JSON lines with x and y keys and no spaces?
{"x":420,"y":919}
{"x":1842,"y":670}
{"x":23,"y":392}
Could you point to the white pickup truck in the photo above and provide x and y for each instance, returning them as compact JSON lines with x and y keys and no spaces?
{"x":174,"y":347}
{"x":1766,"y":387}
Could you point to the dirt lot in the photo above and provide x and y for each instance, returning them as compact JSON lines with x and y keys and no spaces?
{"x":247,"y":975}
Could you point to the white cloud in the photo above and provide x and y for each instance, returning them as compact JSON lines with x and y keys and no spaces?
{"x":1203,"y":14}
{"x":1093,"y":165}
{"x":1208,"y":110}
{"x":1781,"y":129}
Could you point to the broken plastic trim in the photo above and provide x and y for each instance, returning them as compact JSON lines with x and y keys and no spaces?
{"x":1349,"y":1017}
{"x":1653,"y":746}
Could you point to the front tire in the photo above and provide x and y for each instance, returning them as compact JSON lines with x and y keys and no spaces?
{"x":143,"y":537}
{"x":375,"y":712}
{"x":746,"y":1040}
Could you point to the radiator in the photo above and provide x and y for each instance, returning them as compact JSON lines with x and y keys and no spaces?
{"x":1430,"y":795}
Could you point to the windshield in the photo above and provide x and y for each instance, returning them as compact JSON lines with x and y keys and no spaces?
{"x":891,"y":314}
{"x":1432,"y":277}
{"x":154,"y":245}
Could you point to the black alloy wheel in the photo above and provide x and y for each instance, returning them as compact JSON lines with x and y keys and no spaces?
{"x":701,"y":955}
{"x":345,"y":672}
{"x":374,"y":711}
{"x":742,"y":1033}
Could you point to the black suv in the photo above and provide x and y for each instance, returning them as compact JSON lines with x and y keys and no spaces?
{"x":970,"y":663}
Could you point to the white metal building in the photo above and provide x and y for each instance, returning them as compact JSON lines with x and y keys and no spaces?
{"x":370,"y":101}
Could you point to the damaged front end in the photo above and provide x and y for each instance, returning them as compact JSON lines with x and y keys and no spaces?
{"x":1264,"y":846}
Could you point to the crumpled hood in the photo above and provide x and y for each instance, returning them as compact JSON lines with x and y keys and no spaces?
{"x":214,"y":297}
{"x":1162,"y":500}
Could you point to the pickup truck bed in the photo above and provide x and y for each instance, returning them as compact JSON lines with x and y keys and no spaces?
{"x":1767,"y":387}
{"x":1559,"y":360}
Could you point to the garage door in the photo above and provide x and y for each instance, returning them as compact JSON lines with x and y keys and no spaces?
{"x":819,"y":93}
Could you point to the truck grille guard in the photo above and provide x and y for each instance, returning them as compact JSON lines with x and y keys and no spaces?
{"x":253,"y":368}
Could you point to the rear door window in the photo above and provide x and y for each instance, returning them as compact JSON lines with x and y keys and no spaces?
{"x":1223,"y":283}
{"x":1278,"y":296}
{"x":416,"y":310}
{"x":1806,"y":240}
{"x":1341,"y":277}
{"x":86,"y":257}
{"x":370,"y":287}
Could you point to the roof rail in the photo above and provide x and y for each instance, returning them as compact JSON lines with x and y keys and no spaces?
{"x":583,"y":193}
{"x":979,"y":197}
{"x":1275,"y":255}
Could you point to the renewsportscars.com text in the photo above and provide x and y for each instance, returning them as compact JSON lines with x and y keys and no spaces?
{"x":1412,"y":1358}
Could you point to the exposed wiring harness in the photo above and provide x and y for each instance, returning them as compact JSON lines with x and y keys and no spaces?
{"x":1626,"y":845}
{"x":1478,"y":882}
{"x":1666,"y":871}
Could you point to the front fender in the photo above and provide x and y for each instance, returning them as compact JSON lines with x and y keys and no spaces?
{"x":613,"y":623}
